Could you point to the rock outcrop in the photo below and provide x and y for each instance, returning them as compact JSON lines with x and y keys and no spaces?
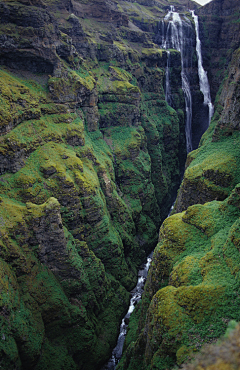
{"x":52,"y":286}
{"x":192,"y":284}
{"x":212,"y":170}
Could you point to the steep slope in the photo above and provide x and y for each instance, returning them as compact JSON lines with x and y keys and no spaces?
{"x":212,"y":170}
{"x":90,"y":161}
{"x":193,"y":285}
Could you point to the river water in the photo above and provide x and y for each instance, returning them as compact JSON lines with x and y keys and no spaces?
{"x":136,"y":296}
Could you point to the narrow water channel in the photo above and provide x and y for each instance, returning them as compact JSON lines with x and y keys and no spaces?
{"x":136,"y":296}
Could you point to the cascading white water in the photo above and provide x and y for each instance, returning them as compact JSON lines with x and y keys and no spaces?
{"x":203,"y":79}
{"x":174,"y":39}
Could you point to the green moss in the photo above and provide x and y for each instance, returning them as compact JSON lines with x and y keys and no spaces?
{"x":161,"y":122}
{"x":212,"y":170}
{"x":223,"y":355}
{"x":152,"y":51}
{"x":68,"y":88}
{"x":18,"y":99}
{"x":38,"y":307}
{"x":116,"y":81}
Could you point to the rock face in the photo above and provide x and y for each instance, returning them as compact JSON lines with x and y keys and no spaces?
{"x":192,"y":284}
{"x":51,"y":285}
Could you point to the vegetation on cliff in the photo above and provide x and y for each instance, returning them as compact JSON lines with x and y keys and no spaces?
{"x":193,"y":285}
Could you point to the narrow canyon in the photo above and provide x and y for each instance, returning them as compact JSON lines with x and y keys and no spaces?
{"x":119,"y":139}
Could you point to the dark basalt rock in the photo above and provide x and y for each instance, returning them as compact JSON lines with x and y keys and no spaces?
{"x":22,"y":47}
{"x":24,"y":16}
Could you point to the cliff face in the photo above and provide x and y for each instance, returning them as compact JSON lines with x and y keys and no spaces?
{"x":90,"y":160}
{"x":192,"y":288}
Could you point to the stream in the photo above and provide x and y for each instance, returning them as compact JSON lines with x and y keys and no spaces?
{"x":136,"y":296}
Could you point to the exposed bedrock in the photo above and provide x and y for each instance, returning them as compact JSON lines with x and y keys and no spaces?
{"x":212,"y":170}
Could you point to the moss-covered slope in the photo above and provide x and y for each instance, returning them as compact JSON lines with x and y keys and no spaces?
{"x":53,"y":290}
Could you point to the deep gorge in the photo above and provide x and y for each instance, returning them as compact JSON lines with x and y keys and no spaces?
{"x":92,"y":153}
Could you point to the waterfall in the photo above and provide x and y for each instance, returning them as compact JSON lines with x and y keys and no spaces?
{"x":167,"y":86}
{"x":203,"y":79}
{"x":174,"y":38}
